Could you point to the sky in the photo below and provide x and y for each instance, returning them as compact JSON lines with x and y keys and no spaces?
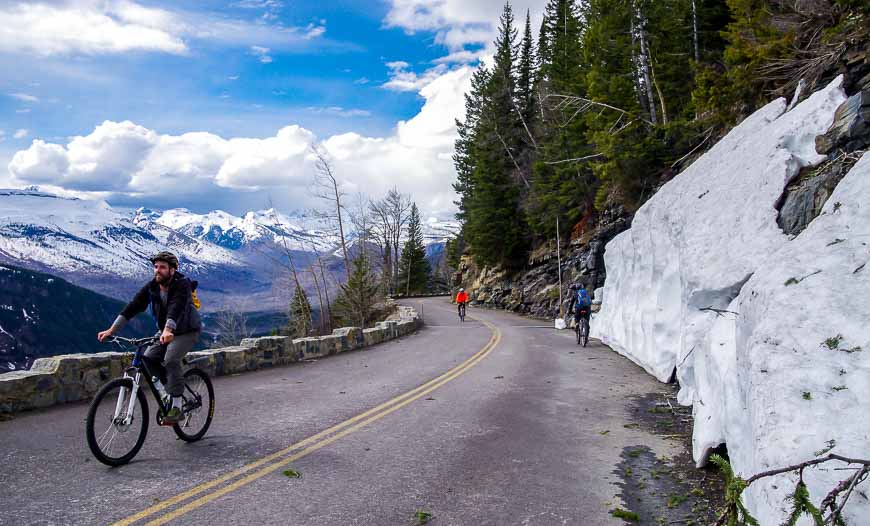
{"x":214,"y":104}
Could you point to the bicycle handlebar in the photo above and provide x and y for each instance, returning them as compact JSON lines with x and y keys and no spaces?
{"x":136,"y":342}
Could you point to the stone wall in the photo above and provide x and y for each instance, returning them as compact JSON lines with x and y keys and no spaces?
{"x":74,"y":377}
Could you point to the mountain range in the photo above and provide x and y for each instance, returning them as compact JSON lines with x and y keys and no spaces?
{"x":238,"y":260}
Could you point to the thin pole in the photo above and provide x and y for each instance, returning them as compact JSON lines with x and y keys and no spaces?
{"x":559,"y":256}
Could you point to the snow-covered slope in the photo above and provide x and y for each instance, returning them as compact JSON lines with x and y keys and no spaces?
{"x":73,"y":236}
{"x":709,"y":238}
{"x":300,"y":231}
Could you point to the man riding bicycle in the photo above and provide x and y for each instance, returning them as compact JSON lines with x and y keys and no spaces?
{"x":580,"y":303}
{"x":169,"y":297}
{"x":461,"y":300}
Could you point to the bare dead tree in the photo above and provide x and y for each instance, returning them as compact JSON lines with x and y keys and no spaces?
{"x":391,"y":215}
{"x":231,"y":324}
{"x":695,"y":30}
{"x":381,"y":237}
{"x":644,"y":61}
{"x":326,"y":187}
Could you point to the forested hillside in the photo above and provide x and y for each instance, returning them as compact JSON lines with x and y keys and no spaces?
{"x":615,"y":97}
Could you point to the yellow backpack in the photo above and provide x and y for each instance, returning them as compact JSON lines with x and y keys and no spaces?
{"x":193,"y":296}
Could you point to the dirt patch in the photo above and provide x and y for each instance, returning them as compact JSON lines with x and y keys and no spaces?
{"x":662,"y":490}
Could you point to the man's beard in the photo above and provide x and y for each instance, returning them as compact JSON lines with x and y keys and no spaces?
{"x":160,"y":279}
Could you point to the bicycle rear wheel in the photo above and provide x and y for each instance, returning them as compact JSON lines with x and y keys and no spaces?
{"x":585,"y":331}
{"x":197,"y":406}
{"x":113,"y":441}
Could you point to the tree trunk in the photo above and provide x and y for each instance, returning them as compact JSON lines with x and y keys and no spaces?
{"x":644,"y":65}
{"x":695,"y":30}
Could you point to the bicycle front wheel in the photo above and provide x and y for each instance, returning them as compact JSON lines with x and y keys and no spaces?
{"x":197,"y":406}
{"x":114,"y":436}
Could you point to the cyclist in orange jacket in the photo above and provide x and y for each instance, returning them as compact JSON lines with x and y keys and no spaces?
{"x":461,"y":300}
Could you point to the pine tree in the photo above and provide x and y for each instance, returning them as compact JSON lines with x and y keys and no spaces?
{"x":466,"y":145}
{"x":414,"y":269}
{"x":359,"y":295}
{"x":493,"y":225}
{"x":561,"y":188}
{"x":526,"y":76}
{"x":299,"y":314}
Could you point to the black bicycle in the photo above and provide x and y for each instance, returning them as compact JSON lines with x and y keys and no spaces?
{"x":581,"y":328}
{"x":462,"y":312}
{"x":118,"y":417}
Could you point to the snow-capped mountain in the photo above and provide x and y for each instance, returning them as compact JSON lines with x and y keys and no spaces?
{"x":106,"y":249}
{"x":438,"y":230}
{"x":299,"y":231}
{"x":96,"y":246}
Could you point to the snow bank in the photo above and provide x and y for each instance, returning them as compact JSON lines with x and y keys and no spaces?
{"x":784,"y":335}
{"x":709,"y":238}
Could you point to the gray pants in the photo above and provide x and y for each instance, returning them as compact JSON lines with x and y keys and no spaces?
{"x":169,"y":357}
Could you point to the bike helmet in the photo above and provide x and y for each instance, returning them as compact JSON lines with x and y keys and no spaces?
{"x":168,"y":257}
{"x":461,"y":290}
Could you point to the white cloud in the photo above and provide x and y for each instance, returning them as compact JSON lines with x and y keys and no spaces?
{"x":341,"y":112}
{"x":361,"y":80}
{"x":314,"y":31}
{"x":24,"y":97}
{"x":125,"y":160}
{"x":262,"y":53}
{"x":20,"y":134}
{"x":401,"y":79}
{"x":88,"y":28}
{"x":233,"y":77}
{"x":23,"y":110}
{"x":94,"y":27}
{"x":457,"y":23}
{"x":463,"y":56}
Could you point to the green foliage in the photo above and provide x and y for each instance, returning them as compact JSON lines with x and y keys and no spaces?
{"x":292,"y":474}
{"x":299,"y":314}
{"x":422,"y":517}
{"x":620,"y":513}
{"x":736,"y":512}
{"x":806,"y":395}
{"x":833,"y":342}
{"x":414,"y":269}
{"x":356,"y":300}
{"x":829,"y":445}
{"x":803,"y":506}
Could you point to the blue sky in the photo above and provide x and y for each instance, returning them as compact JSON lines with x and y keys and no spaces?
{"x":234,"y":69}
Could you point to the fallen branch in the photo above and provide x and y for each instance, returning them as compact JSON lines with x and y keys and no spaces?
{"x":719,"y":312}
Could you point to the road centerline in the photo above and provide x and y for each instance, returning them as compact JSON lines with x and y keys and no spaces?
{"x":274,"y":461}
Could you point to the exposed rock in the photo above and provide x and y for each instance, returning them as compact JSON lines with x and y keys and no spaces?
{"x":802,"y":200}
{"x":851,"y":128}
{"x":535,"y":291}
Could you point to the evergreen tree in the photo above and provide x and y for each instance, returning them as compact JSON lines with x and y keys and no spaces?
{"x":493,"y":225}
{"x":526,"y":75}
{"x":561,"y":187}
{"x":299,"y":314}
{"x":359,"y":295}
{"x":414,"y":269}
{"x":466,"y":145}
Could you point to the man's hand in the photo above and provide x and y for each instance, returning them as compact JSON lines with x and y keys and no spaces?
{"x":166,"y":337}
{"x":101,"y":336}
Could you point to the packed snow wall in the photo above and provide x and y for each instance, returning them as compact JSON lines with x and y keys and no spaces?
{"x":705,"y":282}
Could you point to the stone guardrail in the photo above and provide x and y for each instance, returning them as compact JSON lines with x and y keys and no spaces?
{"x":74,"y":377}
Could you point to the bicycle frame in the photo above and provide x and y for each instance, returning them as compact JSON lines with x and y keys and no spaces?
{"x":134,"y":373}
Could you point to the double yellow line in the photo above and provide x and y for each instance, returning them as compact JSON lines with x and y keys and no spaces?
{"x":280,"y":459}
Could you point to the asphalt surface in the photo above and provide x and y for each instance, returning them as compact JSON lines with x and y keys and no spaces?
{"x":528,"y":432}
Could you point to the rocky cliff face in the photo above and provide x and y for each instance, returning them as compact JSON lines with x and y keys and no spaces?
{"x":535,"y":290}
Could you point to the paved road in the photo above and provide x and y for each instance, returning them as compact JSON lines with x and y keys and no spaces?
{"x":526,"y":428}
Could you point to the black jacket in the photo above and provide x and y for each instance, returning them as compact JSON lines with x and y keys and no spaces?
{"x":179,"y":305}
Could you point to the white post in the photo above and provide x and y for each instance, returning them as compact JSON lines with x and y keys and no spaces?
{"x":559,"y":256}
